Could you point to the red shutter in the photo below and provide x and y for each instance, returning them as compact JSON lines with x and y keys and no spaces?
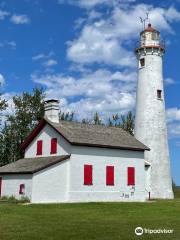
{"x":39,"y":147}
{"x":131,"y":176}
{"x":109,"y":175}
{"x":88,"y":174}
{"x":0,"y":185}
{"x":21,"y":188}
{"x":53,"y":145}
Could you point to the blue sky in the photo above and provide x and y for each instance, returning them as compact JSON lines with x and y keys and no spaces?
{"x":81,"y":52}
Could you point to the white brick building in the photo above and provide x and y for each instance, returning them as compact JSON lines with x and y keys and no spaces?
{"x":73,"y":162}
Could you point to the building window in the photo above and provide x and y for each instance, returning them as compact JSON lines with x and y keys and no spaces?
{"x":39,"y":147}
{"x":21,"y":189}
{"x":88,"y":170}
{"x":131,"y":176}
{"x":142,"y":62}
{"x":53,"y":145}
{"x":159,"y":94}
{"x":109,"y":175}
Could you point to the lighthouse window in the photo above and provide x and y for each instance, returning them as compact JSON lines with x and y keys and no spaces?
{"x":154,"y":36}
{"x":159,"y":94}
{"x":142,"y":62}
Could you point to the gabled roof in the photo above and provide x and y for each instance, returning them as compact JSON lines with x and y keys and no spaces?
{"x":31,"y":165}
{"x":90,"y":135}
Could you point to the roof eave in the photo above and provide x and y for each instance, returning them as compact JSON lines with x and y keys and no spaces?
{"x":38,"y":169}
{"x":110,"y":146}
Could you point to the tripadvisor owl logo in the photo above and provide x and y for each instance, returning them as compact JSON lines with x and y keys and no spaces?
{"x":139,"y":231}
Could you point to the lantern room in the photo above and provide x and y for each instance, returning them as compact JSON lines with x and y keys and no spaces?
{"x":150,"y":37}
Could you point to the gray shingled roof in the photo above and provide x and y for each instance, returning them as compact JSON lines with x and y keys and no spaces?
{"x":97,"y":135}
{"x":31,"y":165}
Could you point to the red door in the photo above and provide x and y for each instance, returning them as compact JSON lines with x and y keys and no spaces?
{"x":0,"y":185}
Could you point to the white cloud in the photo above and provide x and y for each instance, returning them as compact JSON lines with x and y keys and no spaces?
{"x":20,"y":19}
{"x":106,"y":37}
{"x":43,"y":56}
{"x":95,"y":46}
{"x":2,"y":80}
{"x":46,"y":60}
{"x":93,"y":3}
{"x":174,"y":130}
{"x":39,"y":56}
{"x":12,"y":44}
{"x":172,"y":14}
{"x":50,"y":63}
{"x":101,"y":91}
{"x":173,"y":114}
{"x":3,"y":14}
{"x":169,"y":81}
{"x":105,"y":40}
{"x":173,"y":119}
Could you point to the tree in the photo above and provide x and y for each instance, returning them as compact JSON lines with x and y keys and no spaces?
{"x":29,"y":109}
{"x":69,"y":116}
{"x":97,"y":120}
{"x":126,"y":122}
{"x":86,"y":121}
{"x":3,"y":106}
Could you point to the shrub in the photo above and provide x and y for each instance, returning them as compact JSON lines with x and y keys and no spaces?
{"x":13,"y":199}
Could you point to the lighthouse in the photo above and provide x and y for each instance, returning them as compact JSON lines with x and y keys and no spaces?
{"x":150,"y":122}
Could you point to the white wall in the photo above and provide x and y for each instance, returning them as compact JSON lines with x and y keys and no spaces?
{"x":100,"y":158}
{"x":50,"y":184}
{"x":11,"y":183}
{"x":46,"y":134}
{"x":64,"y":181}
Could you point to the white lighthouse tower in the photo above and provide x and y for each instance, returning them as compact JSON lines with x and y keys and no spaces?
{"x":150,"y":123}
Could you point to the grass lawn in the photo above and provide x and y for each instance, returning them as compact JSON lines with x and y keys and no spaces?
{"x":101,"y":221}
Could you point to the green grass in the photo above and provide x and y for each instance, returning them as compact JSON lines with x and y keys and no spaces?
{"x":101,"y":221}
{"x":177,"y":192}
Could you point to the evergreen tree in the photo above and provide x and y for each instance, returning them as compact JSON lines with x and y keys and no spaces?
{"x":69,"y":116}
{"x":97,"y":120}
{"x":86,"y":121}
{"x":126,"y":122}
